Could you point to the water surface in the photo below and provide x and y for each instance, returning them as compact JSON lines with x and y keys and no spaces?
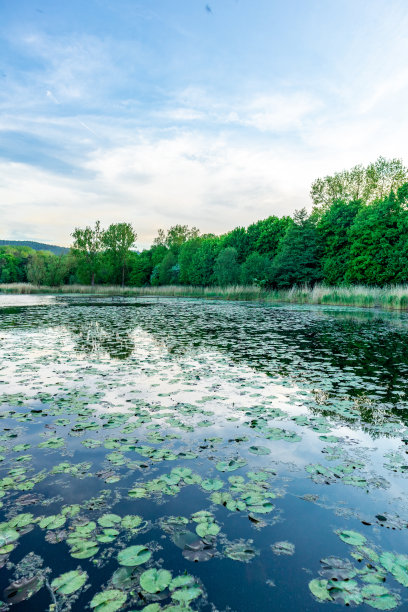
{"x":251,"y":450}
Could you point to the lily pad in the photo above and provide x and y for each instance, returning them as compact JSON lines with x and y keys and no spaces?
{"x":154,"y":581}
{"x":69,"y":582}
{"x":108,"y":601}
{"x":134,"y":555}
{"x":352,"y":537}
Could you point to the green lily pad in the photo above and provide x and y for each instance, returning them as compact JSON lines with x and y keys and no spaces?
{"x":131,"y":521}
{"x":352,"y":537}
{"x":7,"y":536}
{"x":69,"y":582}
{"x":109,"y":520}
{"x":212,"y":484}
{"x":320,"y":590}
{"x":54,"y":521}
{"x":379,"y":597}
{"x":259,"y":450}
{"x":134,"y":555}
{"x":108,"y":601}
{"x":154,"y":581}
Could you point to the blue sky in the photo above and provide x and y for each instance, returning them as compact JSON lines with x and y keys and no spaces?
{"x":178,"y":111}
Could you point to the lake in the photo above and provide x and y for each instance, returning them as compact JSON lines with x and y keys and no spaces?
{"x":161,"y":454}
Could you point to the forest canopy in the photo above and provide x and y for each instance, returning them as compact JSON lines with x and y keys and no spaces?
{"x":357,"y":232}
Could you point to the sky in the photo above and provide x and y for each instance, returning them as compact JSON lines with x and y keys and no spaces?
{"x":157,"y":112}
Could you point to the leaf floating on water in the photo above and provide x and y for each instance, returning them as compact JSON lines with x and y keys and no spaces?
{"x":352,"y":537}
{"x":337,"y":569}
{"x":108,"y":601}
{"x":283,"y":548}
{"x":154,"y":581}
{"x":69,"y":582}
{"x":397,"y":565}
{"x":379,"y":597}
{"x":240,"y":551}
{"x":23,"y":589}
{"x":134,"y":555}
{"x":259,"y":450}
{"x":320,"y":590}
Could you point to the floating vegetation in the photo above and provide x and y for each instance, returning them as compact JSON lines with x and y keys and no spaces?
{"x":151,"y":457}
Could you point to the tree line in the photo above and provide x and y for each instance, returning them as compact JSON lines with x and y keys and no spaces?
{"x":357,"y":232}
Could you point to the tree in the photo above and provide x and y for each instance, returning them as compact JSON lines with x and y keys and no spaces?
{"x":57,"y":270}
{"x":298,"y":259}
{"x":202,"y":269}
{"x":226,"y":268}
{"x":334,"y":229}
{"x":266,"y":235}
{"x":169,"y":270}
{"x":36,"y":268}
{"x":237,"y":239}
{"x":379,"y":247}
{"x":360,"y":183}
{"x":88,"y":245}
{"x":141,"y":267}
{"x":118,"y":240}
{"x":175,"y":237}
{"x":255,"y":269}
{"x":186,"y":260}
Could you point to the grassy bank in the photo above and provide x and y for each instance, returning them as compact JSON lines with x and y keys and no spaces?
{"x":390,"y":298}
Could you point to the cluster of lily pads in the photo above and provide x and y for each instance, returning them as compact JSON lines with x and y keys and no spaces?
{"x":342,"y":582}
{"x":96,"y":406}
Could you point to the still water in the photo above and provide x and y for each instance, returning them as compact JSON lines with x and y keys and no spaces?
{"x":179,"y":455}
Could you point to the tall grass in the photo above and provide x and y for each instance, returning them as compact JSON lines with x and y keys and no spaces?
{"x":393,"y":297}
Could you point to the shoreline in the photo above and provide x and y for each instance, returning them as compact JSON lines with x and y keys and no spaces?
{"x":386,"y":298}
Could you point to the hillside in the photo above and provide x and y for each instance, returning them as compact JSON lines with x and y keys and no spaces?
{"x":37,"y":246}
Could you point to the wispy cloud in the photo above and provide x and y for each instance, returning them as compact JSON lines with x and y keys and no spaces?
{"x":167,"y":116}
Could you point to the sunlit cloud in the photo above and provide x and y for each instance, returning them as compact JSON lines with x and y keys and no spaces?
{"x":175,"y":120}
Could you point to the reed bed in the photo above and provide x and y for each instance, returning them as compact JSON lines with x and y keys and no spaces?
{"x":393,"y":297}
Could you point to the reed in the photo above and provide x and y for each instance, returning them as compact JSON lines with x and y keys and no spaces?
{"x":392,"y":297}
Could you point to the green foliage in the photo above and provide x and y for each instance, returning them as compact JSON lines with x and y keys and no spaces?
{"x":203,"y":260}
{"x":140,"y":268}
{"x":368,"y":183}
{"x":333,"y":227}
{"x":118,"y":239}
{"x":379,"y":245}
{"x":255,"y":269}
{"x":297,"y":260}
{"x":226,"y":267}
{"x":176,"y":236}
{"x":356,"y":234}
{"x":169,"y":270}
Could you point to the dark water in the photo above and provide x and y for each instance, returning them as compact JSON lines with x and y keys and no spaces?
{"x":284,"y":428}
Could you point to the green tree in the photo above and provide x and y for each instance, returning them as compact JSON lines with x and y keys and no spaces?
{"x":57,"y":269}
{"x":226,"y":267}
{"x":118,"y":239}
{"x":255,"y":269}
{"x":237,"y":239}
{"x":87,"y":246}
{"x":360,"y":183}
{"x":264,"y":236}
{"x":202,"y":269}
{"x":140,"y":268}
{"x":334,"y":228}
{"x":175,"y":237}
{"x":186,"y":260}
{"x":378,"y":252}
{"x":169,"y":270}
{"x":298,"y":259}
{"x":37,"y":268}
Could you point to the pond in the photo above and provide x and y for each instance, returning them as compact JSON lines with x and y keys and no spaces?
{"x":161,"y":454}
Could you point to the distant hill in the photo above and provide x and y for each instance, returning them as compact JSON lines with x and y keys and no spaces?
{"x":37,"y":246}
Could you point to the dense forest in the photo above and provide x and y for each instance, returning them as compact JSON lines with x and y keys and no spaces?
{"x":357,"y":232}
